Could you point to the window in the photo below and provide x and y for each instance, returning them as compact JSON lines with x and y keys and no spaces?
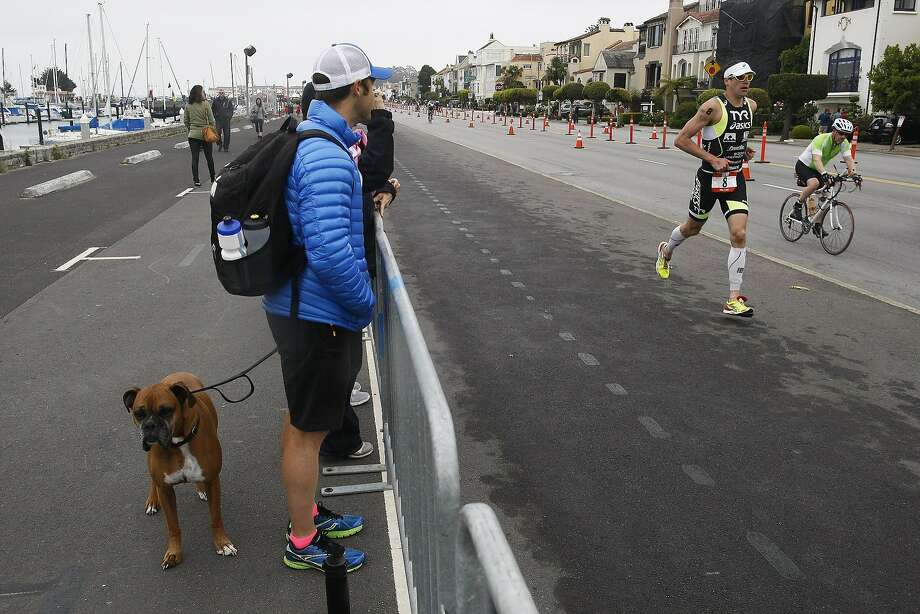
{"x":587,"y":50}
{"x":655,"y":34}
{"x":843,"y":71}
{"x":905,"y":5}
{"x":619,"y":80}
{"x":714,"y":37}
{"x":835,"y":7}
{"x":652,"y":75}
{"x":498,"y":70}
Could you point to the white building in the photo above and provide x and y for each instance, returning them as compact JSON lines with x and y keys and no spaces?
{"x":616,"y":66}
{"x":488,"y":62}
{"x":696,"y":42}
{"x":849,"y":37}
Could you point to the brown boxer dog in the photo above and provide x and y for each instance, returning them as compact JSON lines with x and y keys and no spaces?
{"x":179,"y":434}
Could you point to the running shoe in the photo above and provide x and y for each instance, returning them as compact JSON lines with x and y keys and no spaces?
{"x":315,"y":554}
{"x":332,"y":525}
{"x":738,"y":307}
{"x":661,"y":265}
{"x":796,"y":212}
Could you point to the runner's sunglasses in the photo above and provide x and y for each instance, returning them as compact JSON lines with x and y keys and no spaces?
{"x":748,"y":77}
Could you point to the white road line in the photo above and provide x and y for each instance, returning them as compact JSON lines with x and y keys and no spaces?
{"x":192,"y":255}
{"x":114,"y":258}
{"x":184,"y":192}
{"x":403,"y":603}
{"x":77,"y":259}
{"x":616,"y":389}
{"x":776,"y":557}
{"x":698,"y":475}
{"x":504,"y":271}
{"x":517,"y":284}
{"x":652,"y":162}
{"x":779,"y":187}
{"x":654,"y":429}
{"x":588,"y":359}
{"x":567,"y":336}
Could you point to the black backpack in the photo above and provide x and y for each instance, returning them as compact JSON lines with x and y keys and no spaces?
{"x":251,"y":189}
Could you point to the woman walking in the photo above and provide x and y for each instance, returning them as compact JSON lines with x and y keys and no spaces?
{"x":257,"y":116}
{"x":198,"y":116}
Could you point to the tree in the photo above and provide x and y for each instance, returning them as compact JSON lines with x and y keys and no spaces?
{"x":570,"y":91}
{"x":596,"y":92}
{"x":795,"y":59}
{"x":464,"y":96}
{"x":424,"y":79}
{"x":8,"y":90}
{"x":64,"y":82}
{"x":896,"y":82}
{"x":669,"y":88}
{"x":795,"y":90}
{"x":549,"y":91}
{"x":711,"y":93}
{"x":511,"y":76}
{"x":555,"y":71}
{"x":439,"y":86}
{"x":619,"y":94}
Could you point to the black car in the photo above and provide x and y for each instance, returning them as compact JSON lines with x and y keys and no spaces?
{"x":883,"y":126}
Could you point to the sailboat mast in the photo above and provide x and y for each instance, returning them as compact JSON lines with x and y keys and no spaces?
{"x":92,"y":64}
{"x":57,"y":98}
{"x":232,"y":80}
{"x":147,"y":51}
{"x":105,"y":67}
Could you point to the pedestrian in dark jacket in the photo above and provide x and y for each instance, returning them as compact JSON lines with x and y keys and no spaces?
{"x":198,"y":115}
{"x":222,"y":107}
{"x":375,"y":162}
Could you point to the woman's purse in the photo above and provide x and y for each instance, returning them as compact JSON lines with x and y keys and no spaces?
{"x":210,"y":135}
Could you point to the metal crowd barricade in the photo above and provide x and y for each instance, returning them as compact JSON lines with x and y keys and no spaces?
{"x":450,"y":555}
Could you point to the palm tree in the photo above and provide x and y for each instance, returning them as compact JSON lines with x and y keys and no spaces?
{"x":510,"y":74}
{"x":669,"y":88}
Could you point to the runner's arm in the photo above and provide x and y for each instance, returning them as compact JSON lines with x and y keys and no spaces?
{"x":709,"y":113}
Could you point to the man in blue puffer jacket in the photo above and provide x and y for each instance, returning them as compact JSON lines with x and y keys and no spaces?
{"x":321,"y":349}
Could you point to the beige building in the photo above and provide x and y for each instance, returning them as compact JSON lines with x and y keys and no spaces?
{"x":531,"y":65}
{"x":581,"y":52}
{"x":657,"y":40}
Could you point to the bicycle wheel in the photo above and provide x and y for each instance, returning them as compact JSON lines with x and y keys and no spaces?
{"x":791,"y":229}
{"x":839,"y":225}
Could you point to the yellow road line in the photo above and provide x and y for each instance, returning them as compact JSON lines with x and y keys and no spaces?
{"x":780,"y":261}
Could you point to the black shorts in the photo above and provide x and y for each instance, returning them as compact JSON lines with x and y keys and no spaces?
{"x":704,"y":199}
{"x":319,"y":364}
{"x":805,"y":172}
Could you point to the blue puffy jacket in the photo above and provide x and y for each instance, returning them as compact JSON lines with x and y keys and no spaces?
{"x":324,"y":203}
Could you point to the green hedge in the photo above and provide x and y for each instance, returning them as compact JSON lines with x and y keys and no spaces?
{"x":802,"y":132}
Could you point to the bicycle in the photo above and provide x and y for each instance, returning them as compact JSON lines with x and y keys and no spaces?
{"x":836,"y":236}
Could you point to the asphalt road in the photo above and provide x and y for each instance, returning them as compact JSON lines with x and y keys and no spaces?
{"x":646,"y":453}
{"x":879,"y":261}
{"x":72,"y":526}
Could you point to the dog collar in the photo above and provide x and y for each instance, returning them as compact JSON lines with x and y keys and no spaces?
{"x":187,"y":438}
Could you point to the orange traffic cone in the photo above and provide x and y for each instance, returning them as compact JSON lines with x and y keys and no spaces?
{"x":654,"y":136}
{"x":579,"y":142}
{"x":511,"y":129}
{"x":746,"y":171}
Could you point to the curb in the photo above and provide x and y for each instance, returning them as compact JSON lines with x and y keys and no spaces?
{"x":153,"y":154}
{"x":182,"y":145}
{"x":55,"y":185}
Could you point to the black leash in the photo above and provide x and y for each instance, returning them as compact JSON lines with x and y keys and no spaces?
{"x":242,"y":374}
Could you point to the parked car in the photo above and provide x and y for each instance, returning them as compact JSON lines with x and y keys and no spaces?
{"x":883,"y":126}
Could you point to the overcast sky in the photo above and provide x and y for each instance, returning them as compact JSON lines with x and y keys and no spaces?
{"x":287,"y":39}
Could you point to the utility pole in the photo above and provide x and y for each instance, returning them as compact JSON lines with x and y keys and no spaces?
{"x":3,"y":88}
{"x":54,"y":81}
{"x":232,"y":81}
{"x":147,"y":52}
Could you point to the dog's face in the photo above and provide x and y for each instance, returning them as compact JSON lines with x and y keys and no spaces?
{"x":159,"y":411}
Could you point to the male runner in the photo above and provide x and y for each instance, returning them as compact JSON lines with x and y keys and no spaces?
{"x":726,"y":122}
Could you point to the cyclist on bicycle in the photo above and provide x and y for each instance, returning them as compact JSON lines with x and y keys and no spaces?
{"x":811,"y":165}
{"x":430,"y":110}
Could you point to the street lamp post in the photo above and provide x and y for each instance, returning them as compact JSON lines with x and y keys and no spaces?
{"x":288,"y":101}
{"x":248,"y":52}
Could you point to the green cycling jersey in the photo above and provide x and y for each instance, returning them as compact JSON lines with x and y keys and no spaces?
{"x":824,"y":146}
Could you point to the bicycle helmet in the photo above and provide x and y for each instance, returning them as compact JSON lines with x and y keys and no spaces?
{"x":843,"y":125}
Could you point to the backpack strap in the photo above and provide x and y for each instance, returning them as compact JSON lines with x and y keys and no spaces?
{"x":302,"y":136}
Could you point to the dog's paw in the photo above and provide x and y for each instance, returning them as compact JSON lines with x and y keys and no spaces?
{"x":202,"y":495}
{"x":172,"y":558}
{"x":151,"y":509}
{"x":227,"y":550}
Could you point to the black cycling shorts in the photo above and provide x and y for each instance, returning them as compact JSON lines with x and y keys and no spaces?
{"x":704,"y":199}
{"x":319,"y":364}
{"x":805,"y":173}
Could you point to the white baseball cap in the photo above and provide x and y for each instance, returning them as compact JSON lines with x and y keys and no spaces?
{"x":343,"y":64}
{"x":736,"y":70}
